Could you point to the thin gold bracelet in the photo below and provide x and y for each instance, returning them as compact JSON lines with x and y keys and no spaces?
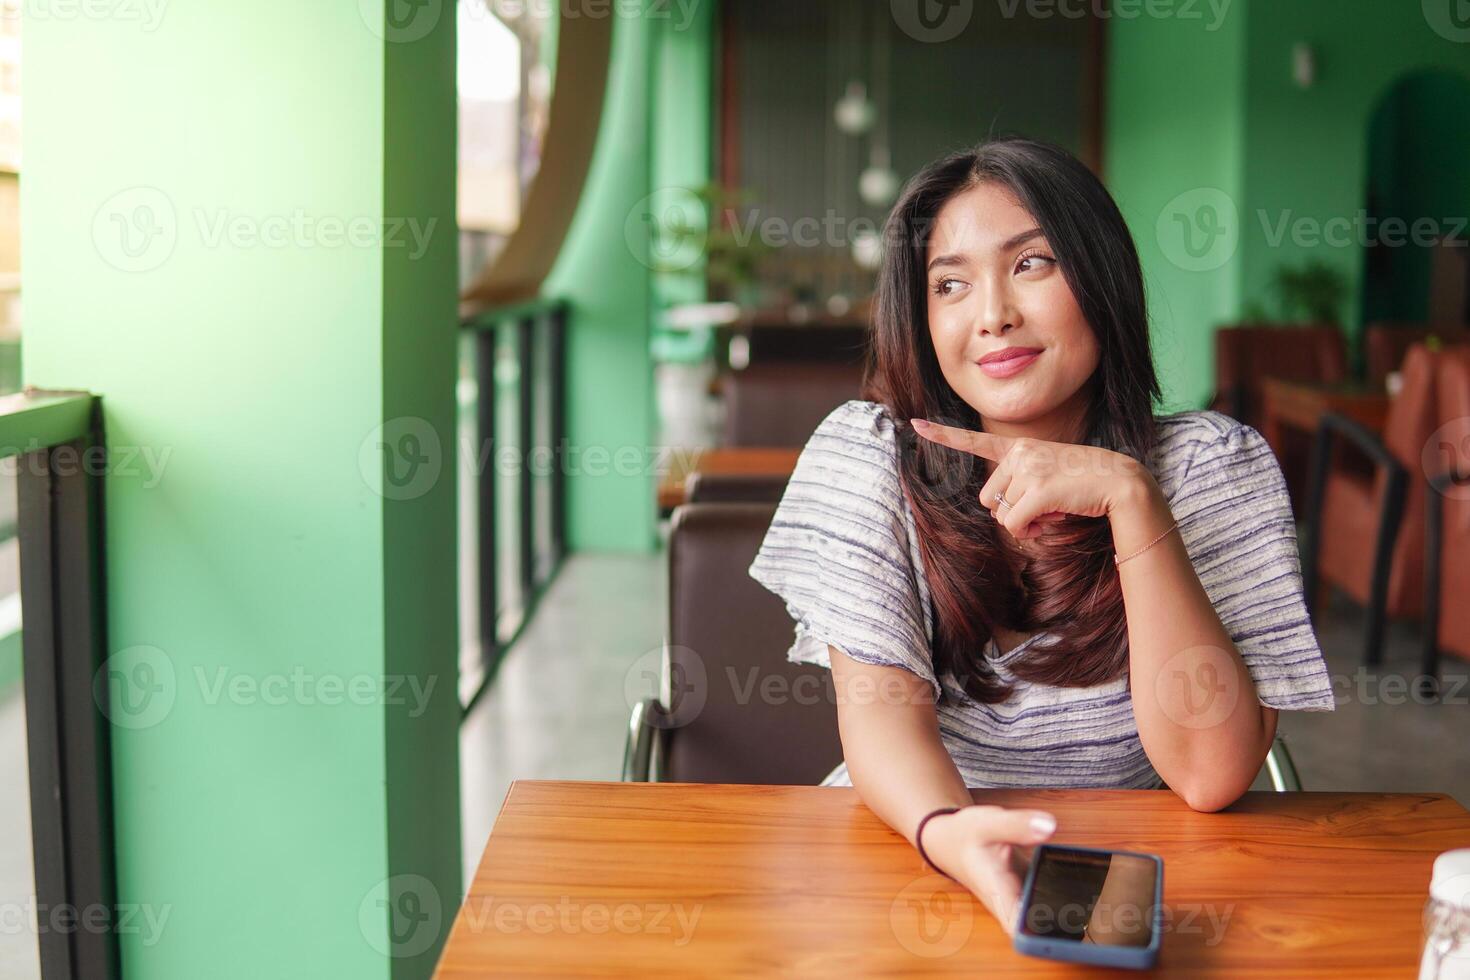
{"x":1118,"y":561}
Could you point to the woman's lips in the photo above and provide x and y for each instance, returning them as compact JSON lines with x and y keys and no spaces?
{"x":1009,"y":367}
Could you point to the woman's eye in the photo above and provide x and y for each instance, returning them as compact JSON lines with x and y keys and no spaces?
{"x":1031,"y":257}
{"x":941,"y":287}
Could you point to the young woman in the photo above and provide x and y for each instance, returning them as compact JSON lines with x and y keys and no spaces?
{"x":1018,"y":574}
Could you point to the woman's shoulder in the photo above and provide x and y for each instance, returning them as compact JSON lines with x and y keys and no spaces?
{"x":856,"y":430}
{"x":1199,"y":450}
{"x":1186,"y":436}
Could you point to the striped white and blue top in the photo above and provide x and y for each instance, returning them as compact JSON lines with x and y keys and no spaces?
{"x":843,"y":554}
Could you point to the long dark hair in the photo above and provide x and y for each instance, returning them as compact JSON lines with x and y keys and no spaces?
{"x":977,"y":581}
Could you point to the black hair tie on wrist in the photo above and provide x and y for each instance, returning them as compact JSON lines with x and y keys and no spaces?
{"x":919,"y":837}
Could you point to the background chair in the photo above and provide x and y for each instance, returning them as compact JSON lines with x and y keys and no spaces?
{"x":727,"y":641}
{"x":1246,"y":354}
{"x":1366,"y":533}
{"x":1386,"y":344}
{"x":1447,"y":522}
{"x":734,"y":488}
{"x":781,"y":403}
{"x":738,"y":711}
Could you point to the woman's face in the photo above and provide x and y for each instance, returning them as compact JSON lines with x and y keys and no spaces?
{"x":995,"y":288}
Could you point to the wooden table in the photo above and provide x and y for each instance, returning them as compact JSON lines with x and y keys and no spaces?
{"x":672,"y":880}
{"x":746,"y":460}
{"x":1300,"y":405}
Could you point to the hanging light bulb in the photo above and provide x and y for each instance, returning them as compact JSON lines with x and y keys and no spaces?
{"x":867,"y":249}
{"x":854,"y":112}
{"x":878,"y":184}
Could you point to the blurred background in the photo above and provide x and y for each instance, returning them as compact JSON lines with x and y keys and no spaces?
{"x":658,"y":230}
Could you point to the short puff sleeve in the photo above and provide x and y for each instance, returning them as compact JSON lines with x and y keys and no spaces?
{"x":841,"y":550}
{"x":1236,"y":521}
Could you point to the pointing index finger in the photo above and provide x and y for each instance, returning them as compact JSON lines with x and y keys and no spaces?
{"x":983,"y":444}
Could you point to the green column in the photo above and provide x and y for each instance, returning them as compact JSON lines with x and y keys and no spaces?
{"x":603,"y":270}
{"x":238,"y":228}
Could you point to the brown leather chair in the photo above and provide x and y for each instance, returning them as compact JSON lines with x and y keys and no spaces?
{"x":1385,"y":344}
{"x":781,"y":403}
{"x":1447,"y":519}
{"x":1367,"y":532}
{"x":1247,"y":354}
{"x":734,"y":488}
{"x":738,"y":712}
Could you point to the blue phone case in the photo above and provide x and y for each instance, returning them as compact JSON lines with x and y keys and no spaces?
{"x":1128,"y":957}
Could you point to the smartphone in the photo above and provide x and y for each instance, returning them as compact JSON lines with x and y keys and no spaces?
{"x":1085,"y":905}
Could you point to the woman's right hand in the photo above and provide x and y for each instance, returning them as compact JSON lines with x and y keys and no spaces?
{"x":978,"y":846}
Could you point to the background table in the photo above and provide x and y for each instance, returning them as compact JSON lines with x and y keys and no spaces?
{"x":744,"y":460}
{"x":672,"y":880}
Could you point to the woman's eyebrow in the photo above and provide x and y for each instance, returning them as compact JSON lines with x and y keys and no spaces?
{"x":954,"y":258}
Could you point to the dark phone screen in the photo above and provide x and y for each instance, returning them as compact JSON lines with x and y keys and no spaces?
{"x":1107,"y":899}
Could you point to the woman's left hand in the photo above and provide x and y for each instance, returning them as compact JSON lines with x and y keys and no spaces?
{"x":1035,"y":482}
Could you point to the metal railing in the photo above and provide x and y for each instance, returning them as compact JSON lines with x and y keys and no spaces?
{"x":515,"y":358}
{"x":58,"y":439}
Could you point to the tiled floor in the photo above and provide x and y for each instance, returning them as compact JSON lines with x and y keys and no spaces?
{"x":559,"y":708}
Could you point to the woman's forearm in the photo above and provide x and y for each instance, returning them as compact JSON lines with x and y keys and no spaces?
{"x":890,"y":740}
{"x":1193,"y":699}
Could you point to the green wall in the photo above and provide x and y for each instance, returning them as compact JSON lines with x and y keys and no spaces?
{"x":266,"y":324}
{"x":1173,"y":159}
{"x":1193,"y":110}
{"x":603,"y":272}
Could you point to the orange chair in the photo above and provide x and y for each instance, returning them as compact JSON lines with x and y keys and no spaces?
{"x":1367,"y":532}
{"x":1385,"y":344}
{"x":1447,"y":520}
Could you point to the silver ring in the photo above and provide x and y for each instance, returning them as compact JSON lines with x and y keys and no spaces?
{"x":1001,"y":501}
